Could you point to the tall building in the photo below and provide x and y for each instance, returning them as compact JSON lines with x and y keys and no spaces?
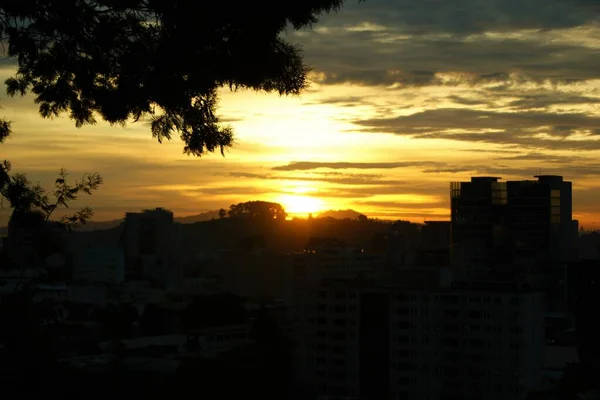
{"x":540,"y":219}
{"x":479,"y":230}
{"x":374,"y":341}
{"x":151,"y":246}
{"x":321,"y":261}
{"x":511,"y":230}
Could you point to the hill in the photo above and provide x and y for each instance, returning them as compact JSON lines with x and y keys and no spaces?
{"x":191,"y":219}
{"x":340,"y":214}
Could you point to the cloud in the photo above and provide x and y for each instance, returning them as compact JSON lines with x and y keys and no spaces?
{"x":550,"y":158}
{"x":311,"y":165}
{"x":431,"y":42}
{"x":465,"y":17}
{"x":518,"y":172}
{"x":546,"y":100}
{"x":528,"y":129}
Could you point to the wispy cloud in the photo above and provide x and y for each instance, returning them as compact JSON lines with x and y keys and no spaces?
{"x":310,"y":165}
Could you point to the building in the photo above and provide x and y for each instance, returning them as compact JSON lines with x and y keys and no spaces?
{"x":479,"y":237}
{"x":540,"y":220}
{"x":99,"y":264}
{"x":435,"y":244}
{"x":520,"y":230}
{"x":151,"y":247}
{"x":410,"y":245}
{"x":329,"y":260}
{"x":373,"y":341}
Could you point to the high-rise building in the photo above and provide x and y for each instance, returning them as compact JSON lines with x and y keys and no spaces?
{"x":479,"y":230}
{"x":540,"y":220}
{"x":511,"y":230}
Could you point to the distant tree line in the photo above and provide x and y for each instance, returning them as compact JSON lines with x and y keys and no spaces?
{"x":255,"y":210}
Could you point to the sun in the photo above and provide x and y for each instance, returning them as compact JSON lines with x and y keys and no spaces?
{"x":299,"y":205}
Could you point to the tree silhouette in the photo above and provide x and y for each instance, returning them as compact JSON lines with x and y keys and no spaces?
{"x":26,"y":197}
{"x":154,"y":58}
{"x":33,"y":206}
{"x":222,"y":213}
{"x":258,"y":210}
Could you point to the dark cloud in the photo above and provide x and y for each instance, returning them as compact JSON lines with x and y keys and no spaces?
{"x":468,"y":102}
{"x":551,"y":158}
{"x":248,"y":175}
{"x":399,"y":205}
{"x":503,"y":128}
{"x":503,"y":150}
{"x":326,"y":177}
{"x":470,"y":16}
{"x":383,"y":42}
{"x":537,"y":101}
{"x":575,"y":171}
{"x":310,"y":165}
{"x":349,"y":101}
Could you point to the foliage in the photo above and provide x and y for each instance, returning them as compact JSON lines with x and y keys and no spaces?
{"x":154,"y":58}
{"x":262,"y":210}
{"x":4,"y":130}
{"x":26,"y":197}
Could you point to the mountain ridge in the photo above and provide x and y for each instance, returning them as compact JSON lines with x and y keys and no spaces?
{"x":201,"y":217}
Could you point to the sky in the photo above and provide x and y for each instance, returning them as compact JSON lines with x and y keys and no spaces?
{"x":406,"y":97}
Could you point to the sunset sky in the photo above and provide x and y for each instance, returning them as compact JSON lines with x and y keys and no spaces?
{"x":407,"y":96}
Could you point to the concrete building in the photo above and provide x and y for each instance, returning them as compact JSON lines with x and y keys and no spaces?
{"x":411,"y":245}
{"x":152,"y":247}
{"x":99,"y":264}
{"x":373,"y":341}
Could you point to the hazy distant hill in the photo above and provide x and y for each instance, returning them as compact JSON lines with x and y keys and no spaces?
{"x":210,"y":234}
{"x":206,"y":216}
{"x":101,"y":225}
{"x":340,"y":214}
{"x":279,"y":236}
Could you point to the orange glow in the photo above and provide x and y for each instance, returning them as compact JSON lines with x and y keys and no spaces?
{"x":299,"y":205}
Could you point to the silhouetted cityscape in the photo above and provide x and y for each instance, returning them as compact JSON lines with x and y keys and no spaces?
{"x":399,"y":220}
{"x":496,"y":303}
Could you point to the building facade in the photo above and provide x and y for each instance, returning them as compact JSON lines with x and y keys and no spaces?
{"x":393,"y":342}
{"x":515,"y":230}
{"x":151,"y":247}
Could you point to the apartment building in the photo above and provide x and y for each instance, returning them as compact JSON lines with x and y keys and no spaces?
{"x":371,"y":341}
{"x":306,"y":271}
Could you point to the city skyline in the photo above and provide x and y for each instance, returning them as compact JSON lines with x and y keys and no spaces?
{"x":400,"y":106}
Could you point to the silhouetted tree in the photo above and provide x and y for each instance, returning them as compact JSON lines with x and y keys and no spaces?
{"x":156,"y":58}
{"x":26,"y":197}
{"x":258,"y":210}
{"x":33,"y":206}
{"x":222,"y":213}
